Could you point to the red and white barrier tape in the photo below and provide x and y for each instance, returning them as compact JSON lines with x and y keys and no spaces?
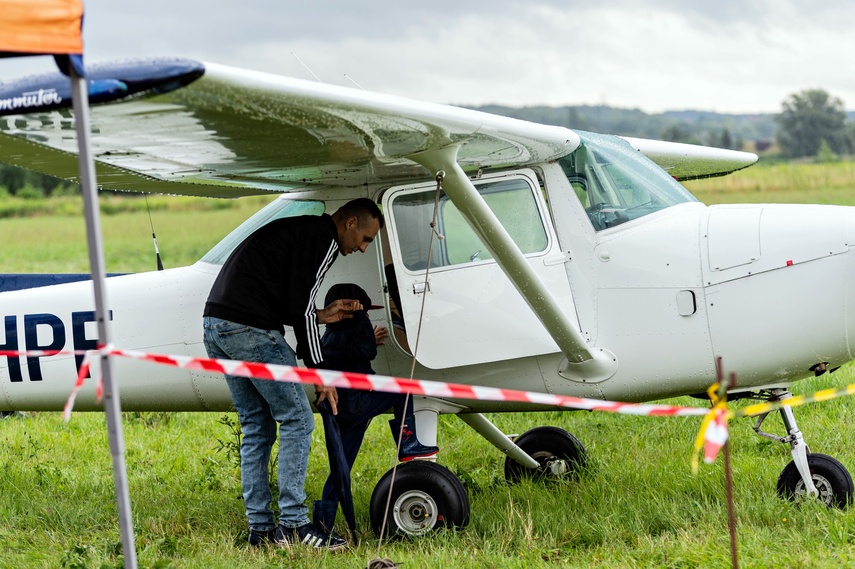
{"x":401,"y":385}
{"x":715,"y":435}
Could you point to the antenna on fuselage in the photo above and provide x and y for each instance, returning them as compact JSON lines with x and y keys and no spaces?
{"x":307,"y":67}
{"x":153,"y":236}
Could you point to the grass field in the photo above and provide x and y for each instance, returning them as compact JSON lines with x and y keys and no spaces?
{"x":781,"y":182}
{"x":636,"y":505}
{"x":186,"y":229}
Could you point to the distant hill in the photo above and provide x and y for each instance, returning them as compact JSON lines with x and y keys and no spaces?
{"x":697,"y":127}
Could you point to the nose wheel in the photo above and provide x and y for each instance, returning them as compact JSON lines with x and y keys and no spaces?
{"x":832,"y":481}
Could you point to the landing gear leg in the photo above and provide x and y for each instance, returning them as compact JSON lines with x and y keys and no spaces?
{"x":799,"y":450}
{"x":798,"y":447}
{"x":427,"y":420}
{"x":500,"y":440}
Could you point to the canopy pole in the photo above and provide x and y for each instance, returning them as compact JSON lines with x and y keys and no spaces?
{"x":112,"y":405}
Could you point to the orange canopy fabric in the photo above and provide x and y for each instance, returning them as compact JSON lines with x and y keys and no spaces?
{"x":41,"y":26}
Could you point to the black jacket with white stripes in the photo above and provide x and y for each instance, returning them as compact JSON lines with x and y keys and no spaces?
{"x":273,"y":277}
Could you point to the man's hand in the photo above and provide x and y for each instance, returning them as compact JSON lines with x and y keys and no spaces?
{"x":380,"y":332}
{"x":338,"y":310}
{"x":330,"y":394}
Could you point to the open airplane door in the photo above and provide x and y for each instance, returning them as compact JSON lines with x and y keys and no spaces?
{"x":472,"y":312}
{"x":54,"y":27}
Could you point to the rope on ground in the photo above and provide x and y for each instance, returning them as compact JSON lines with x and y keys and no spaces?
{"x":433,"y":231}
{"x":384,"y":563}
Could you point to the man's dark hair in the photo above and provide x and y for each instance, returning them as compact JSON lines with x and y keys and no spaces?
{"x":363,"y":208}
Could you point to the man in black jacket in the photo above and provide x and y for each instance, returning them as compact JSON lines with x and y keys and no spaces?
{"x":271,"y":280}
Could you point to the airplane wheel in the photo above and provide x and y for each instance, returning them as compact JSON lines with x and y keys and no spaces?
{"x":558,"y":452}
{"x":831,"y":479}
{"x":425,"y":497}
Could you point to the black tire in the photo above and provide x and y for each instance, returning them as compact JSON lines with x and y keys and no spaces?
{"x":559,"y":453}
{"x":425,"y":497}
{"x":829,"y":476}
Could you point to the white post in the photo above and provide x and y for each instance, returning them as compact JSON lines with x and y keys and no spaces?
{"x":112,"y":406}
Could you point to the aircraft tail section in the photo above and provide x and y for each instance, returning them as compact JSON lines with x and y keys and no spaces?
{"x":24,"y":281}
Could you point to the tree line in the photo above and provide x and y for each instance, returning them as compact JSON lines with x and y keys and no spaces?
{"x":812,"y":123}
{"x":32,"y":185}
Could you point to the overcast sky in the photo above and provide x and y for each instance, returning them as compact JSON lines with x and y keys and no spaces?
{"x":725,"y":55}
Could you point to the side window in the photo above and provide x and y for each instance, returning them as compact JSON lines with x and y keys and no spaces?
{"x":511,"y":200}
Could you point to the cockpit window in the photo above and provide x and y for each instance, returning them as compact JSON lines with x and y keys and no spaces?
{"x":616,"y":184}
{"x":277,"y":209}
{"x":511,"y":200}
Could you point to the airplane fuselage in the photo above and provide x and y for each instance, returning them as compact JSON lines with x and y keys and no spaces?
{"x":764,"y":287}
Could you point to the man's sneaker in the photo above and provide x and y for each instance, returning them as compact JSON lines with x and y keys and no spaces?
{"x":258,"y":538}
{"x":310,"y":535}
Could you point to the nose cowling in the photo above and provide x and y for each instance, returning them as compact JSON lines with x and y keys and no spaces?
{"x":780,"y":294}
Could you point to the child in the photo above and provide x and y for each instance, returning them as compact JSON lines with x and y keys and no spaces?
{"x":350,"y":345}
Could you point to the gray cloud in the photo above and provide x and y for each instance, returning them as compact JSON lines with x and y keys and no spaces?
{"x":730,"y":56}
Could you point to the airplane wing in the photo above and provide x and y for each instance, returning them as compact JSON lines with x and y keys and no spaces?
{"x":690,"y":161}
{"x":184,"y":127}
{"x":178,"y":126}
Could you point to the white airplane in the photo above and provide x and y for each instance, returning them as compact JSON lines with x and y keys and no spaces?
{"x":561,"y":261}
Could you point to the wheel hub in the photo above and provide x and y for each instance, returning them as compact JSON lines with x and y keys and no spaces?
{"x":557,"y":467}
{"x":551,"y":464}
{"x":823,"y":486}
{"x":415,"y":512}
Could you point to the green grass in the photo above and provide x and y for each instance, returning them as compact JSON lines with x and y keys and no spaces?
{"x":186,"y":229}
{"x":636,"y":505}
{"x":781,"y":182}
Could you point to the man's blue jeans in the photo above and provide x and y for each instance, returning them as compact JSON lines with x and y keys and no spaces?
{"x":261,"y":404}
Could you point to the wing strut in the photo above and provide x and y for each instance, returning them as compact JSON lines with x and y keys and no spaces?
{"x":582,"y":362}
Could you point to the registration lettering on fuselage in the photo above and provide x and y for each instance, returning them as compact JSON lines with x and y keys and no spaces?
{"x":52,"y":327}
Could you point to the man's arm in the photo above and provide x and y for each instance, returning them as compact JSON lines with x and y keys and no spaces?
{"x":338,"y":310}
{"x":312,"y":316}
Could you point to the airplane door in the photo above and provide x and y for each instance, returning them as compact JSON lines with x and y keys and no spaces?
{"x":472,"y":312}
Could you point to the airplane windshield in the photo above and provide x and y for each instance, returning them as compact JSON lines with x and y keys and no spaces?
{"x":277,"y":209}
{"x":616,"y":183}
